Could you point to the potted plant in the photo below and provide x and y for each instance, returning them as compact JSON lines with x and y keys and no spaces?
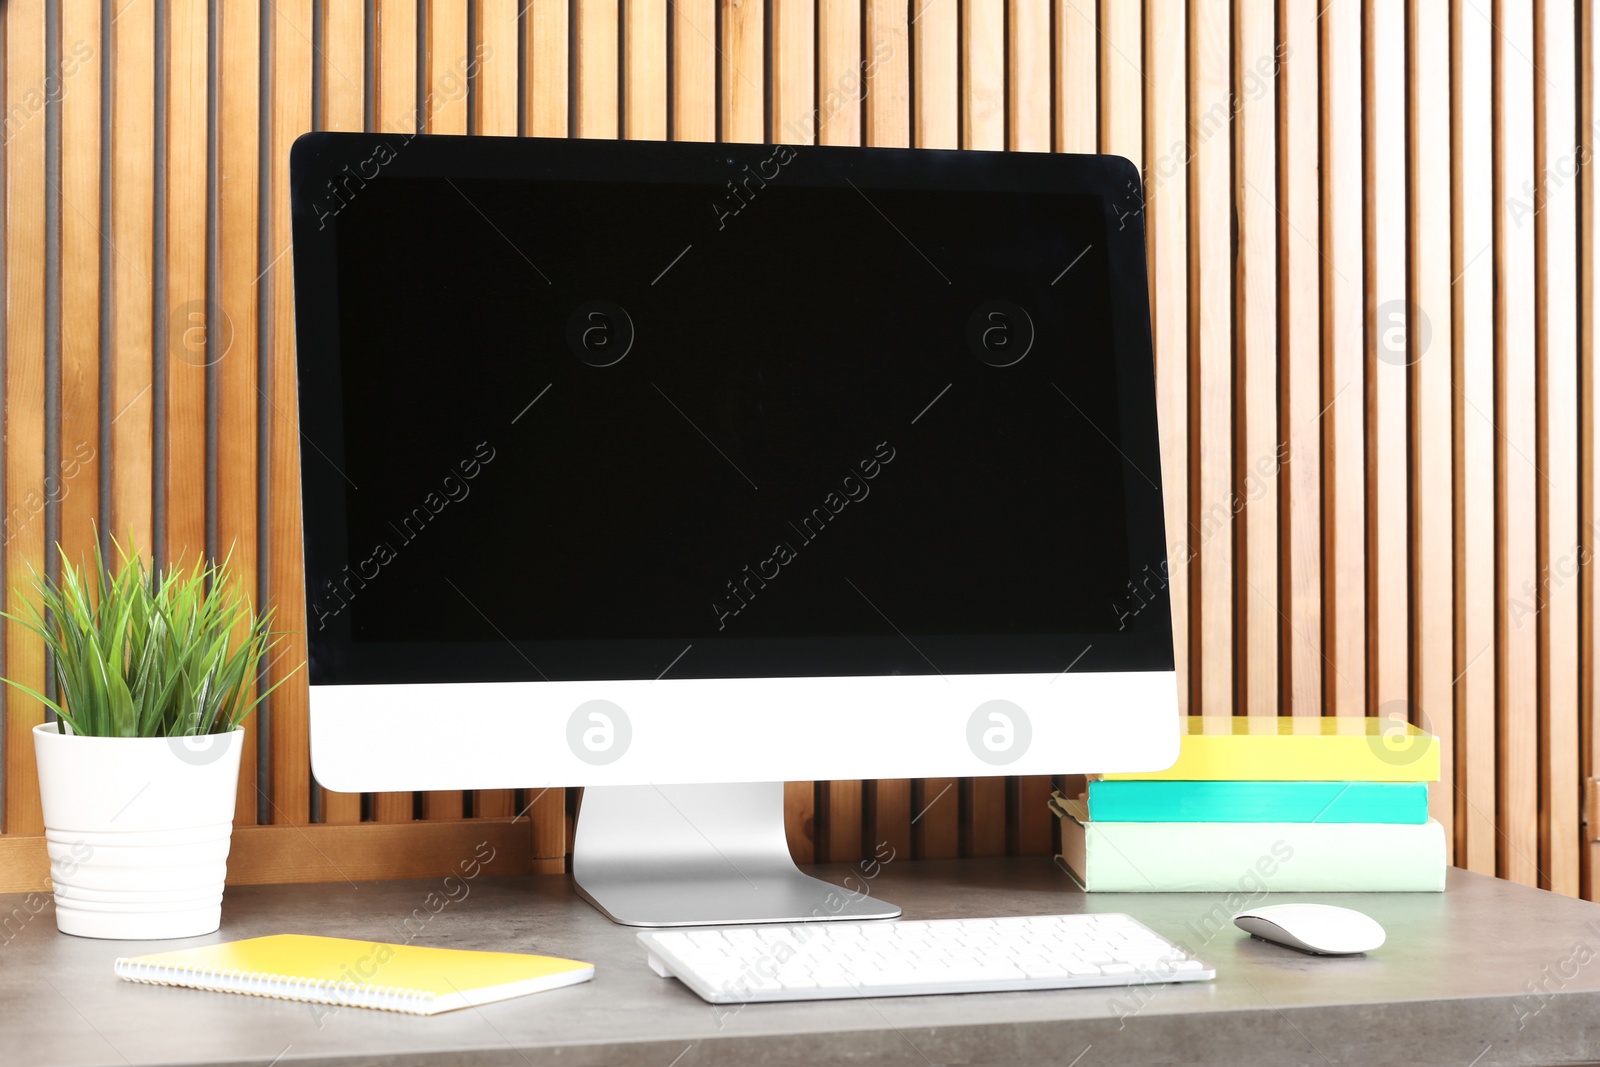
{"x":139,"y":771}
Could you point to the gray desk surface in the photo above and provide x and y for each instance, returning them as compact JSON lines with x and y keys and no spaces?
{"x":1451,"y":986}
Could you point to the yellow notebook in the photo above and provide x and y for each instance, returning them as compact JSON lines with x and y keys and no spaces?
{"x":364,"y":974}
{"x":1236,"y":748}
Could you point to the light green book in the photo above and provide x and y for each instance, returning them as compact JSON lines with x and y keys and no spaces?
{"x":1248,"y":858}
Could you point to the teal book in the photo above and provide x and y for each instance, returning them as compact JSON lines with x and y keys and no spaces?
{"x":1248,"y":857}
{"x":1162,"y":801}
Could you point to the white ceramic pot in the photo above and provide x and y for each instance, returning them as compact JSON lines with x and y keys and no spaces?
{"x":138,"y":830}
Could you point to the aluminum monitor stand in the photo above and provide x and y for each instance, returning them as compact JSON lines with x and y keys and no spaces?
{"x":700,"y":855}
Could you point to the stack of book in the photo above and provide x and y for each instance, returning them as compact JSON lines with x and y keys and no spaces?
{"x":1256,"y":805}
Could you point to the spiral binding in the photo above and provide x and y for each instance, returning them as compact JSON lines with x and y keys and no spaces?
{"x":276,"y":986}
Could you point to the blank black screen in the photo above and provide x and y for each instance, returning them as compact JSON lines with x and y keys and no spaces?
{"x":768,"y":432}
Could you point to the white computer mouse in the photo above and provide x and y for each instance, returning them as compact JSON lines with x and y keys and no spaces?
{"x":1319,"y":928}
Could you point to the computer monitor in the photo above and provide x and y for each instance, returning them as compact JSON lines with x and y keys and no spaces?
{"x":679,"y":470}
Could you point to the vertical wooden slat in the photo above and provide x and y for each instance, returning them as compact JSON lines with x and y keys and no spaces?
{"x":595,"y":76}
{"x":238,"y":268}
{"x":193,"y":340}
{"x":132,"y":235}
{"x":1077,"y":69}
{"x":794,"y":121}
{"x":493,"y":63}
{"x":394,"y":87}
{"x":545,"y":104}
{"x":291,"y":116}
{"x":394,"y":67}
{"x":1210,"y":317}
{"x":445,"y":111}
{"x":694,"y":70}
{"x":343,"y":109}
{"x":343,"y":41}
{"x":888,"y":67}
{"x":1589,"y":458}
{"x":888,"y":819}
{"x":744,"y":102}
{"x":1028,"y":77}
{"x":839,"y":84}
{"x":983,"y":81}
{"x":1588,"y":468}
{"x":1028,"y":129}
{"x":1030,"y":824}
{"x":1433,"y":544}
{"x":188,"y":328}
{"x":983,"y":126}
{"x":1299,"y":344}
{"x":1343,"y":374}
{"x":887,"y":803}
{"x":839,"y":822}
{"x":935,"y":818}
{"x":446,"y":63}
{"x":799,"y":819}
{"x":547,"y":811}
{"x":794,"y":70}
{"x":1256,"y":389}
{"x":1166,"y":214}
{"x":936,"y":122}
{"x":494,"y":50}
{"x":1121,"y":122}
{"x":545,"y":81}
{"x":24,"y":390}
{"x":81,"y":240}
{"x":1389,"y":346}
{"x":494,"y":57}
{"x":1560,"y":556}
{"x":644,"y":41}
{"x":1516,"y":505}
{"x":839,"y":803}
{"x":1121,"y":80}
{"x":494,"y":803}
{"x":394,"y":109}
{"x":839,"y":90}
{"x":1472,"y":366}
{"x":983,"y":816}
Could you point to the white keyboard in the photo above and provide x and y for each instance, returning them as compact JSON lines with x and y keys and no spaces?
{"x":830,"y":960}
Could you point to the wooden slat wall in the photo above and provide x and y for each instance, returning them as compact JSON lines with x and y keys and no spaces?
{"x":1372,"y":279}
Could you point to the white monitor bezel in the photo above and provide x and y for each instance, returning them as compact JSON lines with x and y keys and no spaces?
{"x":506,"y":735}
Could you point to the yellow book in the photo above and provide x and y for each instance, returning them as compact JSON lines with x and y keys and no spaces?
{"x":1233,"y":748}
{"x":413,"y":979}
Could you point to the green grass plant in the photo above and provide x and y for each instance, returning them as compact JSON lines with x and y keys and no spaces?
{"x":142,"y":654}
